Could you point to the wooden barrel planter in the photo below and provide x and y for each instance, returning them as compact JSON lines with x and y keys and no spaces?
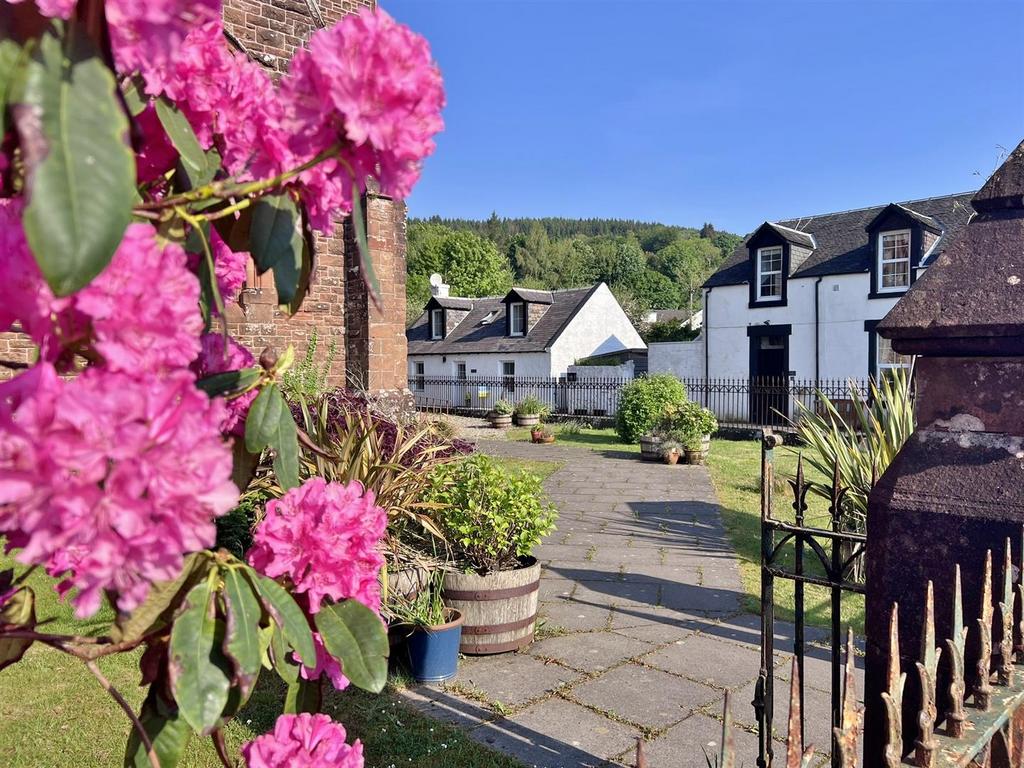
{"x":500,"y":420}
{"x":650,"y":448}
{"x":499,"y":609}
{"x":527,"y":420}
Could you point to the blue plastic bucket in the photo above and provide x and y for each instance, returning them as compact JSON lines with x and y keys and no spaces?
{"x":434,"y":651}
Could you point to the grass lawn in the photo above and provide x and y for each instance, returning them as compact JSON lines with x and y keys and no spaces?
{"x":736,"y":471}
{"x":604,"y":440}
{"x":53,"y":713}
{"x":543,"y":469}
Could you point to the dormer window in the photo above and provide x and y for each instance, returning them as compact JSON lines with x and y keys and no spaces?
{"x":437,"y":324}
{"x":893,"y":261}
{"x":769,"y":273}
{"x":517,"y":318}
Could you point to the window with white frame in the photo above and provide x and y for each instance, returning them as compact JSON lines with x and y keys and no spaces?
{"x":894,"y":260}
{"x":769,"y":273}
{"x":419,"y":377}
{"x":517,"y":319}
{"x":886,"y":359}
{"x":437,"y":323}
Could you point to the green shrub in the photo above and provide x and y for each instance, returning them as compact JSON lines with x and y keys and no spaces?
{"x":572,"y":427}
{"x":531,"y":405}
{"x":642,"y":403}
{"x":490,"y":516}
{"x":687,"y":423}
{"x":503,"y":408}
{"x":307,"y":379}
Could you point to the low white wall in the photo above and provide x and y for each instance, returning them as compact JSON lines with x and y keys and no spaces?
{"x":685,"y":359}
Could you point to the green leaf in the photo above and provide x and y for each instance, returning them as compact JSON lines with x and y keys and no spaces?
{"x":200,"y":675}
{"x":229,"y":381}
{"x":18,"y":611}
{"x":162,"y":601}
{"x":302,"y":696}
{"x":262,"y":423}
{"x":275,"y":233}
{"x":81,"y":171}
{"x":356,"y":636}
{"x":305,"y":271}
{"x":195,"y":163}
{"x":135,"y":96}
{"x":286,"y":614}
{"x":270,"y":423}
{"x":366,"y":269}
{"x":280,"y":652}
{"x":286,"y":451}
{"x":235,"y":231}
{"x":12,"y":61}
{"x":166,"y":729}
{"x":242,"y":640}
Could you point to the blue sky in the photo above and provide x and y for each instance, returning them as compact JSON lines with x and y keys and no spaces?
{"x":730,"y":112}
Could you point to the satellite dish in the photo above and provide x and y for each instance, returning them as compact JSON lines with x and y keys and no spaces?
{"x":436,"y":280}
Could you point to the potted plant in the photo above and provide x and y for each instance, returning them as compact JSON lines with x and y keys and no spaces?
{"x":542,"y":434}
{"x":530,"y":410}
{"x":433,"y":631}
{"x":501,"y":415}
{"x":670,"y":451}
{"x":690,"y":424}
{"x":492,"y":518}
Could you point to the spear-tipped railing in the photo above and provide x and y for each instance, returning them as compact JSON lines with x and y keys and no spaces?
{"x":983,"y":724}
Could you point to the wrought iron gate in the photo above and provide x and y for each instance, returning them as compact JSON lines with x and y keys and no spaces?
{"x":833,"y":553}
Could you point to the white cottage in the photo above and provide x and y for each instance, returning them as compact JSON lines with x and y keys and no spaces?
{"x":800,"y":298}
{"x":524,"y":334}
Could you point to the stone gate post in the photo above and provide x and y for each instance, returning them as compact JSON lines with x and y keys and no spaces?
{"x":957,"y":487}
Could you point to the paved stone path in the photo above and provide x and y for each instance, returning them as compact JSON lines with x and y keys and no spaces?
{"x":643,"y":629}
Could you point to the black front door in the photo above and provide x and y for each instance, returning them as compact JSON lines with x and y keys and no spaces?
{"x":769,"y":379}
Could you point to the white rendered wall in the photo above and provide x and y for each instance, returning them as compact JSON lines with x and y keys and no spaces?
{"x":481,"y":366}
{"x":685,"y":359}
{"x":599,"y":326}
{"x":844,"y":306}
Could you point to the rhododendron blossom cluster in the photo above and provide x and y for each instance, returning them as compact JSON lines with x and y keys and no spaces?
{"x":110,"y":478}
{"x":304,"y":741}
{"x":222,"y":353}
{"x":325,"y":539}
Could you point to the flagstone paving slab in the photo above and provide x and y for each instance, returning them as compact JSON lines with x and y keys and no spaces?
{"x":590,"y":651}
{"x":510,"y":679}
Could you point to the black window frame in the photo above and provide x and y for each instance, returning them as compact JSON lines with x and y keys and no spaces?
{"x":419,"y":375}
{"x":766,"y":237}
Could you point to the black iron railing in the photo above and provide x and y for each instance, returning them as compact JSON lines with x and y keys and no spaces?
{"x":763,"y":401}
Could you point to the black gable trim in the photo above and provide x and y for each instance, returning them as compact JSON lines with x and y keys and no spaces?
{"x":895,"y":212}
{"x":894,"y":224}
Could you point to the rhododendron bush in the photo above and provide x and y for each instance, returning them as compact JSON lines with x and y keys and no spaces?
{"x":144,"y":165}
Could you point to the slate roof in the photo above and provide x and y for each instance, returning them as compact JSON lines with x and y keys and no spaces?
{"x":841,"y":243}
{"x":473,"y":335}
{"x":450,"y":302}
{"x":529,"y":294}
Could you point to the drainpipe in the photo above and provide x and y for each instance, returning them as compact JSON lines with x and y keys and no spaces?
{"x":707,"y":338}
{"x":817,"y":376}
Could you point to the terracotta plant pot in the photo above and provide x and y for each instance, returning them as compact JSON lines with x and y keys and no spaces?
{"x":540,"y":437}
{"x":500,"y":420}
{"x":650,"y":448}
{"x":527,"y":420}
{"x":672,"y":457}
{"x":500,"y":608}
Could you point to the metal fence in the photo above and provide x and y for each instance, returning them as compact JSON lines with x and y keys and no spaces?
{"x":575,"y":396}
{"x":758,"y":402}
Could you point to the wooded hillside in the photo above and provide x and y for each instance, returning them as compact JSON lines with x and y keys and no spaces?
{"x":647,"y":265}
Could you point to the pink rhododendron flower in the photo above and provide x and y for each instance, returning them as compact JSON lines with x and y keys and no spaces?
{"x":229,"y":267}
{"x":109,"y":479}
{"x":370,"y":83}
{"x":133,"y":327}
{"x":324,"y":537}
{"x":146,"y":35}
{"x":156,"y":154}
{"x":325,"y":665}
{"x":220,"y":354}
{"x":54,"y":9}
{"x":303,"y":741}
